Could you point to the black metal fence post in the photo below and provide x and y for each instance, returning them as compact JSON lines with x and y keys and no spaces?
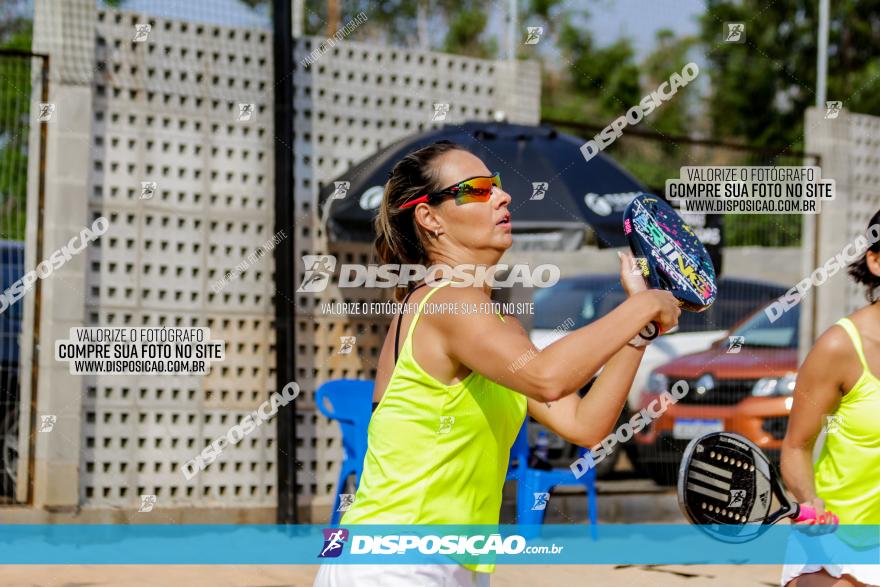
{"x":285,"y":313}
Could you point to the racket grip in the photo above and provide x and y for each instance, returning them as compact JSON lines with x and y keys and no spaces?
{"x":650,"y":331}
{"x":806,"y":512}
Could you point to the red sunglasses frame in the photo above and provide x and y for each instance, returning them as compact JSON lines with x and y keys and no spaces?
{"x":451,"y":190}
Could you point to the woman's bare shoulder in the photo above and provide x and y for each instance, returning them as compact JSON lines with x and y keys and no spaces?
{"x":832,"y":346}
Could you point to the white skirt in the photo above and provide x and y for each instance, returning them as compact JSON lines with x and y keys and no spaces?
{"x":867,"y":574}
{"x":399,"y":576}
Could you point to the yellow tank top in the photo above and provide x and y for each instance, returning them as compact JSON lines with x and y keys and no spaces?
{"x":436,"y":453}
{"x":847,"y":472}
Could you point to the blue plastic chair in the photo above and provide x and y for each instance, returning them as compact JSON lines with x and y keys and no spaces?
{"x":531,"y":481}
{"x":350,"y":403}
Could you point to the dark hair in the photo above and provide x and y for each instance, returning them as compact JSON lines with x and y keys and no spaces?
{"x":859,"y":270}
{"x":399,"y":239}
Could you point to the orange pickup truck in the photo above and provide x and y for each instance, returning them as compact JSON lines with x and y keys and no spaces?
{"x":743,"y":383}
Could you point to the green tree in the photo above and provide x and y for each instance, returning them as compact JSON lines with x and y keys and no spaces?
{"x":671,"y":54}
{"x":15,"y":98}
{"x":761,"y":87}
{"x":410,"y":23}
{"x":581,"y":81}
{"x":655,"y":161}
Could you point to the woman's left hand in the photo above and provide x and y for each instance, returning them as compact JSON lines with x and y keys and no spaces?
{"x":630,"y":278}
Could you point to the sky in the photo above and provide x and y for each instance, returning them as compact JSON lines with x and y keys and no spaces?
{"x":641,"y":19}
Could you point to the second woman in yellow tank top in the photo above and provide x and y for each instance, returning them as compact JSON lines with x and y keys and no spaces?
{"x":838,"y":392}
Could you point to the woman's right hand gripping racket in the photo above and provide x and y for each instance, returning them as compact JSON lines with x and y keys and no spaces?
{"x":670,"y":255}
{"x":728,"y":488}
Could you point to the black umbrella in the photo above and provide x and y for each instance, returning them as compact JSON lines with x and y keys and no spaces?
{"x":554,"y":189}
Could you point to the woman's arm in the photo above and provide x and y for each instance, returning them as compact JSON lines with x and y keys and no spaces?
{"x":586,"y":421}
{"x":816,"y":395}
{"x":506,"y":355}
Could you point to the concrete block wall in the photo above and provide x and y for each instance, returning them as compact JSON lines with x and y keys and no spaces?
{"x":850,"y":149}
{"x":353,"y":100}
{"x":166,"y":110}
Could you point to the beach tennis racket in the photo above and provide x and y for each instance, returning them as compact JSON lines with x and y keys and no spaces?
{"x":669,"y":254}
{"x":728,"y":488}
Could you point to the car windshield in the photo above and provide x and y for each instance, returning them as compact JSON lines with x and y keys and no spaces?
{"x":586,"y":300}
{"x":759,"y":331}
{"x":570,"y":300}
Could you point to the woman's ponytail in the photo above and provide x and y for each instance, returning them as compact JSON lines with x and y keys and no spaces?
{"x":399,"y":239}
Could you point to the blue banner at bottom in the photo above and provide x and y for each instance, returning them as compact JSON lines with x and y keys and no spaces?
{"x":447,"y":544}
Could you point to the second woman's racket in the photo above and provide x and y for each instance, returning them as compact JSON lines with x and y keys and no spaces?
{"x":728,"y":488}
{"x":670,"y":255}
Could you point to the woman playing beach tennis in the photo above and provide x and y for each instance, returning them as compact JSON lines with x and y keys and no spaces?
{"x":838,"y":389}
{"x":453,"y":388}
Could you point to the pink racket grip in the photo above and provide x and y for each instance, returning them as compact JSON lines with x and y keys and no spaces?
{"x":809,"y":513}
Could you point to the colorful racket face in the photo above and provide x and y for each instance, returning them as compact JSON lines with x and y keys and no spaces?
{"x":728,"y":488}
{"x":669,"y":253}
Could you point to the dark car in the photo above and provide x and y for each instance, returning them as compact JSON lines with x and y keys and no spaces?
{"x":11,"y":270}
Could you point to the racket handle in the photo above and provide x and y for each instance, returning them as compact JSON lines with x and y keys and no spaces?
{"x":806,"y":512}
{"x":650,"y":331}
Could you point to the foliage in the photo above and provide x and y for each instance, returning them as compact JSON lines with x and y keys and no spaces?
{"x":15,"y":87}
{"x":762,"y":87}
